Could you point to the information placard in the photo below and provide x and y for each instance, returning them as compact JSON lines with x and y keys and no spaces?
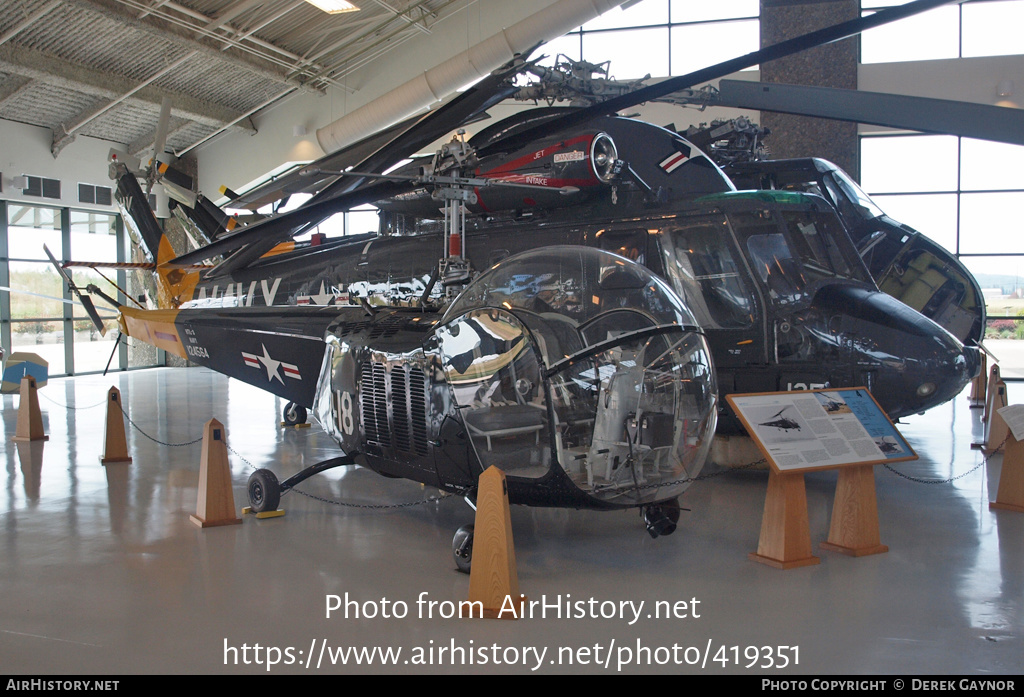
{"x":820,"y":429}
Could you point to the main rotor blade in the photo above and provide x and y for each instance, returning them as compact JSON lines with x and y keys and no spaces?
{"x":782,"y":49}
{"x":346,"y":192}
{"x":493,"y":89}
{"x":286,"y":224}
{"x":1001,"y":124}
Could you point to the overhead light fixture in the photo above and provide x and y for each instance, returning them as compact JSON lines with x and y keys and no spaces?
{"x":1005,"y":88}
{"x":334,"y":7}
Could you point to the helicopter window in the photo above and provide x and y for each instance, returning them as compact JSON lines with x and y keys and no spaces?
{"x":630,"y":244}
{"x":865,"y":207}
{"x":817,"y":245}
{"x":703,"y":269}
{"x":775,"y":265}
{"x":622,"y":425}
{"x":495,"y":375}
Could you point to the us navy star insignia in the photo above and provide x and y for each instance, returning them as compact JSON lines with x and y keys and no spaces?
{"x":271,"y":365}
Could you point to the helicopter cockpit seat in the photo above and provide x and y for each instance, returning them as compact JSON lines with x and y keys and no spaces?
{"x":619,"y":398}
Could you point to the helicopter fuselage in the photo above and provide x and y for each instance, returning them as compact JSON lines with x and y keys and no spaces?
{"x":774,"y":282}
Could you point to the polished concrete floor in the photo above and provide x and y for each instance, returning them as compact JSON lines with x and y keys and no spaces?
{"x":101,"y":570}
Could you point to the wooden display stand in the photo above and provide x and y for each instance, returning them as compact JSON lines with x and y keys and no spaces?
{"x":493,"y":580}
{"x":216,"y":501}
{"x":854,"y":526}
{"x":785,"y":541}
{"x":115,"y":445}
{"x":30,"y":419}
{"x":978,"y":392}
{"x":1010,"y":494}
{"x":996,"y":430}
{"x":789,"y":428}
{"x":993,"y":379}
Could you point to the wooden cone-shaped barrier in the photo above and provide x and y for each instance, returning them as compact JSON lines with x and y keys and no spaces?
{"x":1010,"y":494}
{"x":996,"y":430}
{"x":216,"y":501}
{"x":990,"y":392}
{"x":493,"y":580}
{"x":115,"y":445}
{"x":854,"y":526}
{"x":978,"y":384}
{"x":785,"y":541}
{"x":30,"y":419}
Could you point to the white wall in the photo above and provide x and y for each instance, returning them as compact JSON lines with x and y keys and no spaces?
{"x":25,"y":150}
{"x":236,"y":160}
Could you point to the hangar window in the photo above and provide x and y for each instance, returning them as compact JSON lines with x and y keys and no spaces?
{"x":676,"y":36}
{"x":972,"y":29}
{"x":965,"y":195}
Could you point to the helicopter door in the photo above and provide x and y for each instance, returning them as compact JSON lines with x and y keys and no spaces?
{"x":703,"y":263}
{"x":492,"y":366}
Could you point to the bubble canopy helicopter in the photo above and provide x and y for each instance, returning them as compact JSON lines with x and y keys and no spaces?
{"x":577,"y":372}
{"x":595,"y":371}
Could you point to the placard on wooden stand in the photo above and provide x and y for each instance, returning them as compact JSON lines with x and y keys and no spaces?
{"x":807,"y":431}
{"x":1010,"y":492}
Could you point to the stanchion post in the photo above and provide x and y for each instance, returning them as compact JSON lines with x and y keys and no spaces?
{"x":216,"y":502}
{"x":30,"y":419}
{"x":115,"y":444}
{"x":493,"y":579}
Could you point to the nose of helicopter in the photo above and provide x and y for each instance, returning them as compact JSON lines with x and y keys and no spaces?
{"x":916,"y":364}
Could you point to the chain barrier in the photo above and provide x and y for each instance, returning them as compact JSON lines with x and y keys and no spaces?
{"x":68,"y":406}
{"x":155,"y":440}
{"x":436,"y":499}
{"x":950,"y":480}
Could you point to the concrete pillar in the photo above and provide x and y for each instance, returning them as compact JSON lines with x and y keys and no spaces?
{"x":832,"y":65}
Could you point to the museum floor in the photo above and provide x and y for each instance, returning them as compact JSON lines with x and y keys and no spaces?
{"x":102,"y":572}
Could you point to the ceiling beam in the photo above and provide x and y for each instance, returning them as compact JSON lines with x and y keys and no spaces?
{"x":66,"y":133}
{"x":183,"y":37}
{"x":401,"y":14}
{"x":23,"y":24}
{"x":12,"y":87}
{"x":43,"y":67}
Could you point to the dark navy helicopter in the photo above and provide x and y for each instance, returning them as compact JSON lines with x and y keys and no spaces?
{"x":593,"y":286}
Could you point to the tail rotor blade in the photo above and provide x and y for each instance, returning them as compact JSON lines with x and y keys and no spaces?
{"x":158,"y":142}
{"x":86,"y":301}
{"x":90,"y":310}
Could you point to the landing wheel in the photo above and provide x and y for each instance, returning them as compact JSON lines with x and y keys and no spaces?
{"x":264,"y":491}
{"x":462,"y":548}
{"x":662,"y":518}
{"x":294,"y":414}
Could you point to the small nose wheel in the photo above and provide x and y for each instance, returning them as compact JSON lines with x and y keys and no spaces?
{"x":462,"y":548}
{"x":264,"y":491}
{"x":293,"y":414}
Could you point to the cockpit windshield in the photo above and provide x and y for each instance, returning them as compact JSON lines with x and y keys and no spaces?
{"x":790,"y":251}
{"x":863,"y":204}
